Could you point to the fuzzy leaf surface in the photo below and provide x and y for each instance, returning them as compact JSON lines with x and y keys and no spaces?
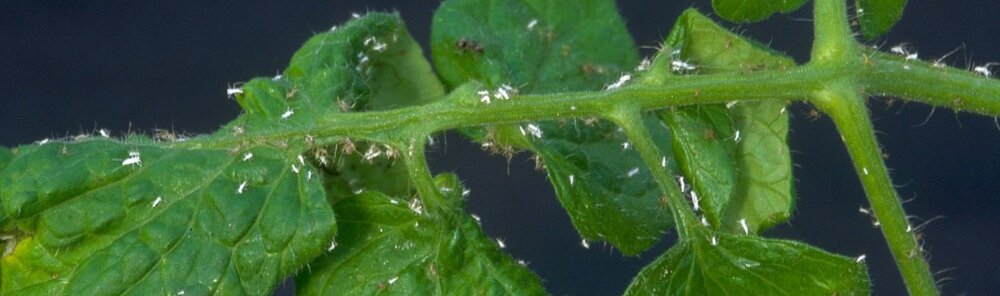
{"x":182,"y":221}
{"x":745,"y":11}
{"x":550,"y":46}
{"x":759,"y":157}
{"x":749,"y":265}
{"x":390,"y":248}
{"x":876,"y":17}
{"x":234,"y":212}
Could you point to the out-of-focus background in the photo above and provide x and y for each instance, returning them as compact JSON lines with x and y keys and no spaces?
{"x":70,"y":67}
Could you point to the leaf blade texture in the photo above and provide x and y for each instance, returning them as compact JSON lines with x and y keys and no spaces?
{"x":394,"y":249}
{"x":876,"y":17}
{"x":748,"y":11}
{"x":552,"y":46}
{"x":234,"y":212}
{"x":737,"y":157}
{"x":725,"y":264}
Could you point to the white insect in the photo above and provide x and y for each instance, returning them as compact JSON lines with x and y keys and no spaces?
{"x":678,"y":66}
{"x":864,"y":211}
{"x":288,"y":113}
{"x":372,"y":153}
{"x":522,"y":262}
{"x":860,"y":258}
{"x":476,"y":217}
{"x":715,"y":241}
{"x":302,"y":160}
{"x":157,"y":201}
{"x":865,"y":170}
{"x":572,"y":180}
{"x":355,"y":15}
{"x":295,"y":169}
{"x":984,"y":69}
{"x":704,"y":221}
{"x":625,"y":145}
{"x":694,"y":200}
{"x":736,"y":136}
{"x":243,"y":186}
{"x":535,"y":130}
{"x":745,"y":226}
{"x":663,"y":162}
{"x":133,"y":159}
{"x":644,"y":65}
{"x":633,"y":172}
{"x":465,"y":193}
{"x":104,"y":133}
{"x":621,"y":81}
{"x":230,"y":92}
{"x":501,"y":244}
{"x":247,"y":156}
{"x":333,"y":245}
{"x":484,"y":96}
{"x":585,"y":244}
{"x":683,"y":185}
{"x":43,"y":141}
{"x":532,"y":24}
{"x":309,"y":175}
{"x":393,"y":280}
{"x":731,"y":104}
{"x":416,"y":206}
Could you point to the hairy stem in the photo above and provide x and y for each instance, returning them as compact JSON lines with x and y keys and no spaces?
{"x":629,"y":118}
{"x":933,"y":84}
{"x":847,"y":109}
{"x":466,"y":110}
{"x":420,"y":175}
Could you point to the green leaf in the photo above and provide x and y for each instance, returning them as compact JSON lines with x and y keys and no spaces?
{"x":702,"y":141}
{"x":235,"y":212}
{"x":748,"y":265}
{"x":762,"y":193}
{"x":194,"y":220}
{"x":746,"y":11}
{"x":876,"y":17}
{"x":550,"y":46}
{"x":385,"y":246}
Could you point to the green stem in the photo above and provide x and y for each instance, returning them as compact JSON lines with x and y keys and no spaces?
{"x":935,"y":85}
{"x":781,"y":85}
{"x":420,"y":175}
{"x":847,"y":109}
{"x":834,"y":45}
{"x":629,"y":117}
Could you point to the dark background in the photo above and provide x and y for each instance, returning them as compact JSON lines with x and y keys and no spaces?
{"x":68,"y":67}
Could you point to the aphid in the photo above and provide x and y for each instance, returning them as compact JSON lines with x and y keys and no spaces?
{"x":572,"y":179}
{"x":625,"y":145}
{"x":736,"y":136}
{"x":501,"y":244}
{"x":644,"y":65}
{"x":295,"y":169}
{"x":133,"y":159}
{"x":585,"y":244}
{"x":309,"y":175}
{"x":43,"y":141}
{"x":715,"y":241}
{"x":467,"y":45}
{"x":860,"y":258}
{"x":633,"y":172}
{"x":531,"y":24}
{"x":104,"y":133}
{"x":157,"y":201}
{"x":865,"y":170}
{"x":522,"y":262}
{"x":393,"y":280}
{"x":288,"y":113}
{"x":333,"y":245}
{"x":302,"y":160}
{"x":704,"y":221}
{"x":745,"y":226}
{"x":243,"y":186}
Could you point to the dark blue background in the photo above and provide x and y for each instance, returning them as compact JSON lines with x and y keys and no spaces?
{"x":69,"y":67}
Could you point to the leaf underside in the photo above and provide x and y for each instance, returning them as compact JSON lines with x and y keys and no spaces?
{"x":395,"y":249}
{"x":552,"y":46}
{"x":876,"y":17}
{"x":745,"y":11}
{"x":736,"y":157}
{"x":234,"y":212}
{"x":749,"y":265}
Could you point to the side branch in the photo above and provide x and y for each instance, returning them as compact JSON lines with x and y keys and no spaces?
{"x":933,"y":84}
{"x":847,"y":109}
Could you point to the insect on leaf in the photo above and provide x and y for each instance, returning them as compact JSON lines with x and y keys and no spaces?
{"x":747,"y":141}
{"x":394,"y":248}
{"x":551,"y":46}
